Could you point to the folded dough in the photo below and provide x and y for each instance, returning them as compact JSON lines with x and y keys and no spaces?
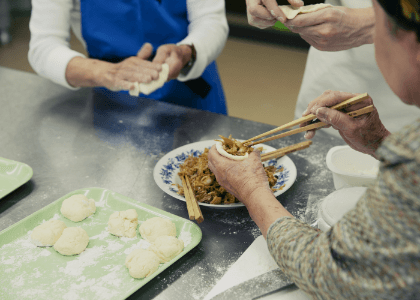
{"x":148,"y":88}
{"x":219,"y":148}
{"x":291,"y":11}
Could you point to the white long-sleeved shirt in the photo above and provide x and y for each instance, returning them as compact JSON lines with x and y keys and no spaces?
{"x":51,"y":20}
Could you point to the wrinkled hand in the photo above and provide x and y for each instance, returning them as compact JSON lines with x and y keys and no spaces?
{"x":364,"y":133}
{"x":120,"y":76}
{"x":240,"y":178}
{"x":335,"y":28}
{"x":175,"y":56}
{"x":265,"y":13}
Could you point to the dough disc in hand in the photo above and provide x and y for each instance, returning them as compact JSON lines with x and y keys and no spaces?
{"x":291,"y":11}
{"x":148,"y":88}
{"x":219,"y":148}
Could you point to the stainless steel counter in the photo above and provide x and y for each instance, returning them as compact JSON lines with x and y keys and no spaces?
{"x":87,"y":138}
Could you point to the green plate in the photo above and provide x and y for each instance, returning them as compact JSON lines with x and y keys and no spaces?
{"x":30,"y":272}
{"x":13,"y":174}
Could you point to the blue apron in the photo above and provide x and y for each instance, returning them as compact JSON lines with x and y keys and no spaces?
{"x":116,"y":29}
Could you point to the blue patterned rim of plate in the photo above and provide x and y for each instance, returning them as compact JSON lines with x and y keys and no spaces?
{"x":171,"y":169}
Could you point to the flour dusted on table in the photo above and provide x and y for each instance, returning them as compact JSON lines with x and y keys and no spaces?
{"x":74,"y":240}
{"x":78,"y":207}
{"x":47,"y":233}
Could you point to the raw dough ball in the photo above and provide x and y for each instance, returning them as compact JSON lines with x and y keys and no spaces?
{"x":74,"y":240}
{"x":141,"y":263}
{"x":123,"y":223}
{"x":47,"y":233}
{"x":148,"y":88}
{"x":219,"y":148}
{"x":78,"y":207}
{"x":291,"y":11}
{"x":155,"y":227}
{"x":167,"y":247}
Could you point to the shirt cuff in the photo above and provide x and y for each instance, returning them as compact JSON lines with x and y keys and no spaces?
{"x":200,"y":63}
{"x":56,"y":65}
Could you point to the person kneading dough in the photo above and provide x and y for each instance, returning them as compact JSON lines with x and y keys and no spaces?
{"x":155,"y":227}
{"x":167,"y":247}
{"x":141,"y":263}
{"x":74,"y":240}
{"x":123,"y":223}
{"x":47,"y":233}
{"x":78,"y":207}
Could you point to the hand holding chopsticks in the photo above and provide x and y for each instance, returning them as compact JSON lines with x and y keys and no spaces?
{"x":308,"y":118}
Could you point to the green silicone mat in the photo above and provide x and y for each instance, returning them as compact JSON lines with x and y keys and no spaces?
{"x":30,"y":272}
{"x":13,"y":174}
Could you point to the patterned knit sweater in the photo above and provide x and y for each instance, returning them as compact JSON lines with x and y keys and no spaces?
{"x":373,"y":252}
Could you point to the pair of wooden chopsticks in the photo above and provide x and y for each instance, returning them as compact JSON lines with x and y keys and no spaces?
{"x":310,"y":117}
{"x":286,"y":150}
{"x":194,"y":211}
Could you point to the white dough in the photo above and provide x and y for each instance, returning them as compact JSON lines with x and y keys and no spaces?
{"x":148,"y":88}
{"x":123,"y":223}
{"x":219,"y":148}
{"x":141,"y":263}
{"x":78,"y":207}
{"x":155,"y":227}
{"x":167,"y":247}
{"x":47,"y":233}
{"x":74,"y":240}
{"x":291,"y":11}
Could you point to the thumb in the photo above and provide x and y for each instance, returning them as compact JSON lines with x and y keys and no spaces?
{"x":333,"y":117}
{"x":146,"y":51}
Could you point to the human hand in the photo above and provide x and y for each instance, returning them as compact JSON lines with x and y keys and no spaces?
{"x":120,"y":76}
{"x":240,"y":178}
{"x":265,"y":13}
{"x":335,"y":28}
{"x":175,"y":56}
{"x":364,"y":133}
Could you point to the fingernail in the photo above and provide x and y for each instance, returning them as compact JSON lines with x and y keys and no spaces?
{"x":273,"y":14}
{"x":281,"y":19}
{"x":321,"y":113}
{"x":304,"y":113}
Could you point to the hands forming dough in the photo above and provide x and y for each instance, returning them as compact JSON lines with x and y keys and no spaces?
{"x":219,"y":148}
{"x":150,"y":87}
{"x":292,"y":11}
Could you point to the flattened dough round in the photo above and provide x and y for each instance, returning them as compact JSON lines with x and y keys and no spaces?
{"x":291,"y":11}
{"x":47,"y":233}
{"x":148,"y":88}
{"x":219,"y":148}
{"x":167,"y":247}
{"x":141,"y":263}
{"x":123,"y":223}
{"x":78,"y":207}
{"x":155,"y":227}
{"x":74,"y":240}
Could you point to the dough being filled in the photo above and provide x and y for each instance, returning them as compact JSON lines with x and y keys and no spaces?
{"x":219,"y":148}
{"x":148,"y":88}
{"x":155,"y":227}
{"x":291,"y":11}
{"x":123,"y":223}
{"x":47,"y":233}
{"x":78,"y":207}
{"x":141,"y":263}
{"x":167,"y":247}
{"x":74,"y":240}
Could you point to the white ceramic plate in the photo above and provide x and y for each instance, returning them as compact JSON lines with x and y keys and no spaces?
{"x":167,"y":168}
